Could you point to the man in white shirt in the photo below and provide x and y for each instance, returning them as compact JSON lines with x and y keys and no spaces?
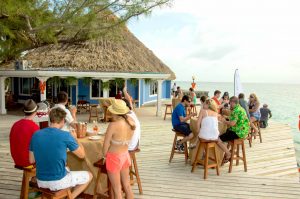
{"x":70,"y":118}
{"x":135,"y":140}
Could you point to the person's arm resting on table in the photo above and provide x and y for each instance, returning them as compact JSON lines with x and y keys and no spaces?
{"x":75,"y":147}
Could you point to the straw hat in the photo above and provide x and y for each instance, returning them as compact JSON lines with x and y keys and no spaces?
{"x":30,"y":106}
{"x":118,"y":107}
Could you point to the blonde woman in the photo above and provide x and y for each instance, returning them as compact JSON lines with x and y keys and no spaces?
{"x":254,"y":110}
{"x":207,"y":125}
{"x":115,"y":148}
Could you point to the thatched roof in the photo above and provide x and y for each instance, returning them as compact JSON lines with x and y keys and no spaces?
{"x":123,"y":54}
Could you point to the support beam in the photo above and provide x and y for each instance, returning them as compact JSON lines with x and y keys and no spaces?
{"x":43,"y":87}
{"x":2,"y":95}
{"x":159,"y":94}
{"x":105,"y":91}
{"x":139,"y":93}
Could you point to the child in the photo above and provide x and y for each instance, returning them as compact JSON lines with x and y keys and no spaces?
{"x":265,"y":112}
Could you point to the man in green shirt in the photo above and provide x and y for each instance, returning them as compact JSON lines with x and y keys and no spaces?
{"x":238,"y":122}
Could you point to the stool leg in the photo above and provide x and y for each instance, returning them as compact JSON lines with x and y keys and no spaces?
{"x":69,"y":194}
{"x":26,"y":185}
{"x":206,"y":161}
{"x":131,"y":175}
{"x":23,"y":186}
{"x":259,"y":133}
{"x":237,"y":154}
{"x":232,"y":156}
{"x":186,"y":153}
{"x":96,"y":185}
{"x":173,"y":148}
{"x":216,"y":159}
{"x":166,"y":112}
{"x":137,"y":175}
{"x":196,"y":158}
{"x":244,"y":157}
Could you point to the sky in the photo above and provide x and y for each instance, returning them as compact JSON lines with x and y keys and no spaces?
{"x":211,"y":38}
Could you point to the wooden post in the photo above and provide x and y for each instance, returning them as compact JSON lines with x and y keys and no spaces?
{"x":159,"y":94}
{"x":2,"y":95}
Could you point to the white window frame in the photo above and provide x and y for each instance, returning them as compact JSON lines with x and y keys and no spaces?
{"x":100,"y":88}
{"x":30,"y":85}
{"x":151,"y":85}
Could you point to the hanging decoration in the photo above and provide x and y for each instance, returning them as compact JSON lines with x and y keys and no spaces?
{"x":42,"y":87}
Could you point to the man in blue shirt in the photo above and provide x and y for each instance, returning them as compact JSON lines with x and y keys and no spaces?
{"x":48,"y":149}
{"x":179,"y":119}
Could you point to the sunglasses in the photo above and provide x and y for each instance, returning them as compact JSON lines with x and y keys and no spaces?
{"x":251,"y":97}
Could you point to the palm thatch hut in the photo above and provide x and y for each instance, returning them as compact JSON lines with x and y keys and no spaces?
{"x":89,"y":70}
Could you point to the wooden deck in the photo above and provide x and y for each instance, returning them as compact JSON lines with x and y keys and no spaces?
{"x":272,"y":170}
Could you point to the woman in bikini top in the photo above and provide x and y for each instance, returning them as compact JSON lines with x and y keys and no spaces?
{"x":115,"y":148}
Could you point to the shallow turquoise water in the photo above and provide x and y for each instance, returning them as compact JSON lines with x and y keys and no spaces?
{"x":283,"y":100}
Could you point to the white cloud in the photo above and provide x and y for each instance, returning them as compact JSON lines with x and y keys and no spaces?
{"x":212,"y":38}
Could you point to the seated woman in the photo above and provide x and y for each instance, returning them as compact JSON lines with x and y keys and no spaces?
{"x":115,"y":148}
{"x":225,"y":100}
{"x":207,"y":125}
{"x":254,"y":110}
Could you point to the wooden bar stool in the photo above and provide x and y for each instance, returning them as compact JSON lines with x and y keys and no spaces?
{"x":178,"y":134}
{"x":207,"y":144}
{"x":135,"y":172}
{"x":235,"y":150}
{"x":27,"y":175}
{"x":107,"y":192}
{"x":93,"y":112}
{"x":256,"y":124}
{"x":168,"y":106}
{"x":47,"y":193}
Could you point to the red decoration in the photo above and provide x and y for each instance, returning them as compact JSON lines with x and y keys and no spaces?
{"x":42,"y":87}
{"x":193,"y":85}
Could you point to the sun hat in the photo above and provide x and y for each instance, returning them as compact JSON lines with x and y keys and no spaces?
{"x":118,"y":107}
{"x":30,"y":106}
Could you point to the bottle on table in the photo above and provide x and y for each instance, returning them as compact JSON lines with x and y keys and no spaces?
{"x":95,"y":127}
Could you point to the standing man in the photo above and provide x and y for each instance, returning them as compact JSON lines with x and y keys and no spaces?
{"x":70,"y":119}
{"x":179,"y":119}
{"x":21,"y":133}
{"x":238,"y":122}
{"x":174,"y":88}
{"x":48,"y":149}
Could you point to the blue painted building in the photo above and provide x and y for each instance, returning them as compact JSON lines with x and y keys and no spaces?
{"x":104,"y":63}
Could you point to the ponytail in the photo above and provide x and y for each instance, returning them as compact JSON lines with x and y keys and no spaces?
{"x":132,"y":126}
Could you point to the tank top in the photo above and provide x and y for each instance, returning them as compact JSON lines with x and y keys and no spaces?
{"x":209,"y":128}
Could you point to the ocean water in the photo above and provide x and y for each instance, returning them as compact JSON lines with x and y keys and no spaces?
{"x":283,"y":100}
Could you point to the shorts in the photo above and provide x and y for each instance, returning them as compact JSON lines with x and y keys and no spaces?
{"x":229,"y":135}
{"x":72,"y":179}
{"x":256,"y":115}
{"x":115,"y":162}
{"x":183,"y":128}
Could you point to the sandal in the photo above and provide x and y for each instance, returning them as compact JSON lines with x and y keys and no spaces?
{"x":226,"y":159}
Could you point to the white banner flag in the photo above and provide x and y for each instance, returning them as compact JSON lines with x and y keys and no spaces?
{"x":237,"y":83}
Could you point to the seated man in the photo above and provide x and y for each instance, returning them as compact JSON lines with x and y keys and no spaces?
{"x":21,"y":133}
{"x":238,"y":122}
{"x":70,"y":119}
{"x":179,"y":119}
{"x":48,"y":148}
{"x":265,"y":115}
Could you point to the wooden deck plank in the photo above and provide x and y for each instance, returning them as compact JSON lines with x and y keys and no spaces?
{"x":272,"y":170}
